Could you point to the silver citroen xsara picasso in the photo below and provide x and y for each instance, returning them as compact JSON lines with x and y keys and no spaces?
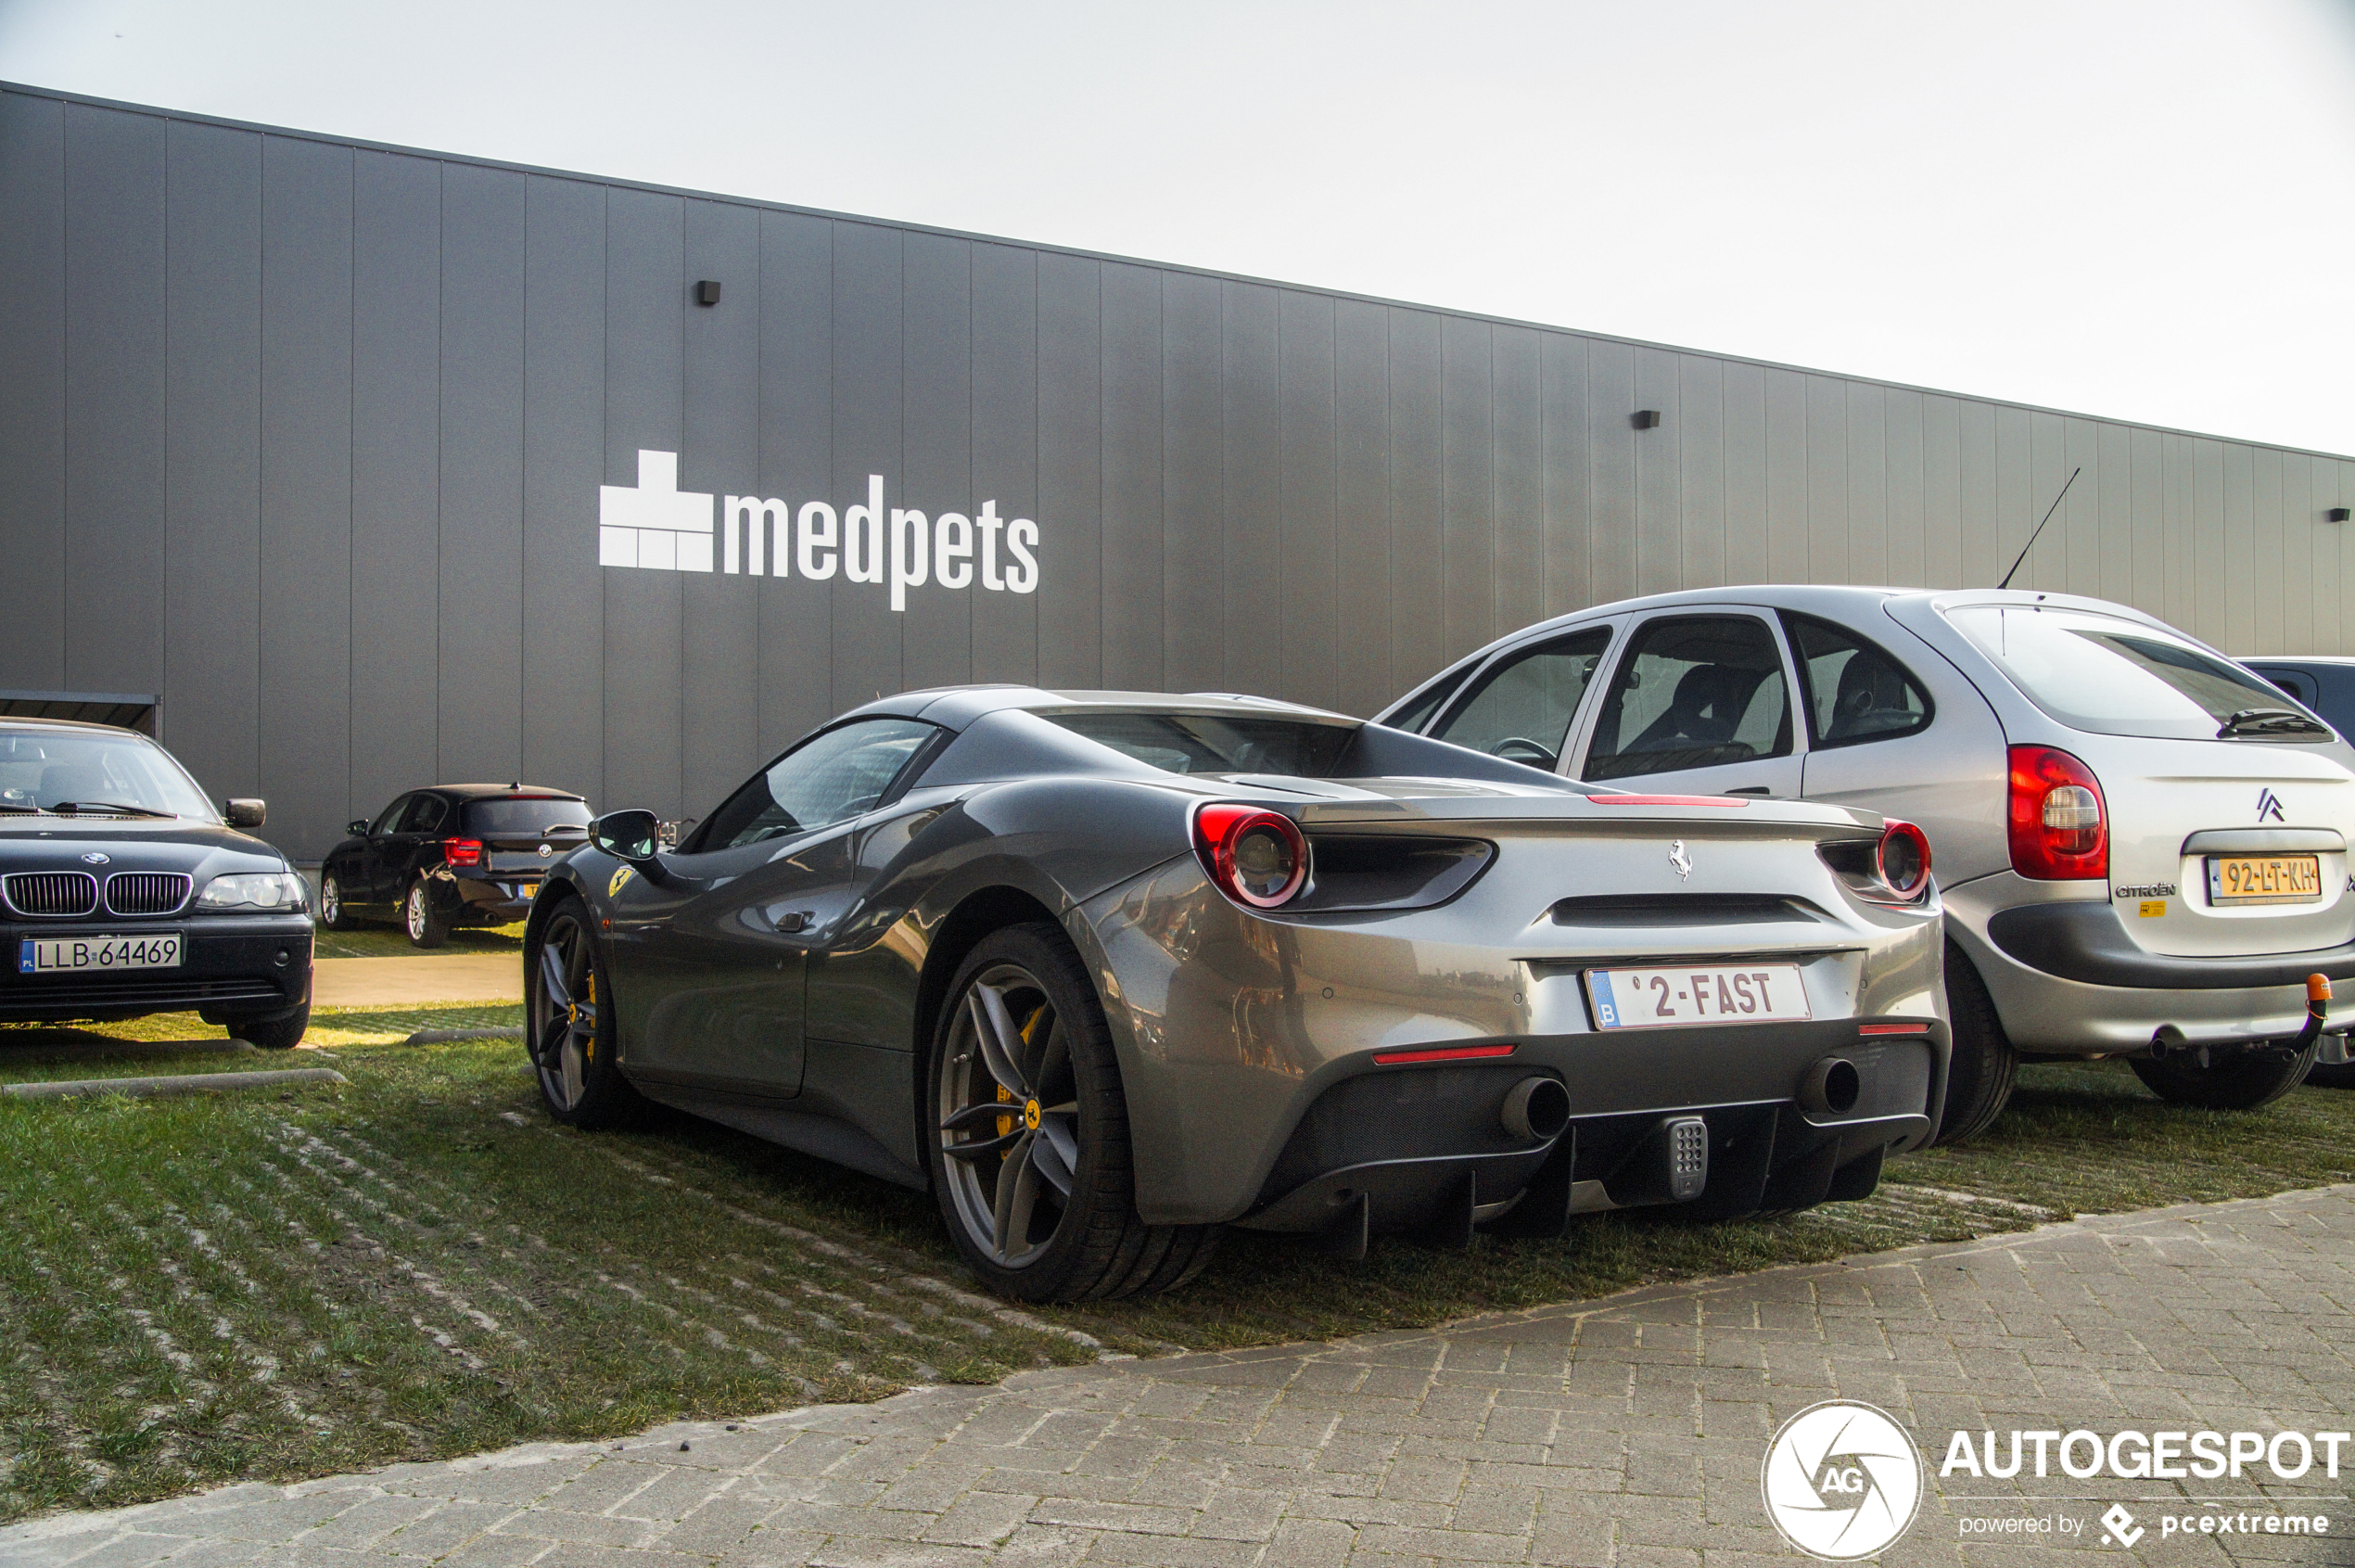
{"x":2141,"y":844}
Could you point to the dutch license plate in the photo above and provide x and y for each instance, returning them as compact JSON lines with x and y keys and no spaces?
{"x":82,"y":955}
{"x":2264,"y":879}
{"x":1653,"y":998}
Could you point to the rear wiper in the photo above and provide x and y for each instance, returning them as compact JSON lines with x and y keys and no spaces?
{"x":62,"y":807}
{"x":2270,"y":720}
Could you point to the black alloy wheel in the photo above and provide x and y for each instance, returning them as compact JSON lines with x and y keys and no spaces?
{"x":2240,"y":1081}
{"x":1030,"y":1157}
{"x":568,"y":1014}
{"x":1982,"y":1066}
{"x":426,"y":925}
{"x":332,"y":914}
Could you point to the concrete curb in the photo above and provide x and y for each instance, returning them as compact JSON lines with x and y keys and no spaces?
{"x":191,"y":1083}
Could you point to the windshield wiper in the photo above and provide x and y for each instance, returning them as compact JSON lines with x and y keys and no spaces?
{"x":62,"y":807}
{"x":2270,"y":720}
{"x":28,"y":810}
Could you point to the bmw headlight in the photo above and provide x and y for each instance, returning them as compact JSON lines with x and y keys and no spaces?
{"x":253,"y":890}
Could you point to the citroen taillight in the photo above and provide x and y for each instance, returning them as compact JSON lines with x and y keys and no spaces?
{"x":1255,"y":856}
{"x":2059,"y":827}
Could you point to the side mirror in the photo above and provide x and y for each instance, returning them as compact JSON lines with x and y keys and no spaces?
{"x":634,"y":836}
{"x":245,"y":813}
{"x":358,"y":828}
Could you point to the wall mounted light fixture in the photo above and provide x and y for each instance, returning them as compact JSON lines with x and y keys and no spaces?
{"x":708,"y":292}
{"x":2338,"y":513}
{"x":1646,"y":418}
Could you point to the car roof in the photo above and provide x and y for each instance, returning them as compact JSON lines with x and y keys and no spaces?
{"x":956,"y":706}
{"x":2336,"y":660}
{"x":494,"y":791}
{"x":70,"y":726}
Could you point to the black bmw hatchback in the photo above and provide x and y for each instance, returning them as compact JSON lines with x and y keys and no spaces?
{"x":470,"y":854}
{"x":124,"y":892}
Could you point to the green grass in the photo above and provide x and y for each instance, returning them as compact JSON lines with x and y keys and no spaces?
{"x":420,"y":1264}
{"x":389,"y":940}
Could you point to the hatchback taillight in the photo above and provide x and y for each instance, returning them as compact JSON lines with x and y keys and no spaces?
{"x":463,"y":851}
{"x":1256,"y":857}
{"x":2059,"y":826}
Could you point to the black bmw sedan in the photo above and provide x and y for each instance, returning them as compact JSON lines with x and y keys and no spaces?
{"x":467,"y":854}
{"x":124,"y":892}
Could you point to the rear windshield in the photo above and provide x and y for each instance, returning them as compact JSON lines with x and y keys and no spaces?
{"x":526,"y":817}
{"x":1193,"y":743}
{"x":2119,"y":676}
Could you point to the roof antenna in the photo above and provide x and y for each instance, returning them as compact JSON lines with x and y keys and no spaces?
{"x":2040,"y":527}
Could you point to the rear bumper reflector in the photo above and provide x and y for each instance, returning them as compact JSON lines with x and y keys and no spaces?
{"x":1441,"y":1053}
{"x":1892,"y":1029}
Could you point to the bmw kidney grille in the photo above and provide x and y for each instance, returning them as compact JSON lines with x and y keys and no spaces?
{"x":147,"y":892}
{"x":59,"y":893}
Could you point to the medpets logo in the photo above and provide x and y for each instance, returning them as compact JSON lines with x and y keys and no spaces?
{"x":1841,"y":1480}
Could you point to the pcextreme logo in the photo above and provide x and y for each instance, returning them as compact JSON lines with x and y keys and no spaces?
{"x":1841,"y":1480}
{"x":659,"y":527}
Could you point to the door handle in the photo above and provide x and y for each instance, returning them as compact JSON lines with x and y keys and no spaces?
{"x":789,"y":921}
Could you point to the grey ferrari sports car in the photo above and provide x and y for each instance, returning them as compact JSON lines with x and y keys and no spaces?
{"x":1108,"y":972}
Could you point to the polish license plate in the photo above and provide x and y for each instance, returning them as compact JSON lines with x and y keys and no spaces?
{"x":2264,"y":879}
{"x":83,"y":955}
{"x":1656,"y":999}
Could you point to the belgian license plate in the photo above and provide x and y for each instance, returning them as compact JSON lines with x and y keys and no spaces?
{"x":2264,"y":879}
{"x":1654,"y":999}
{"x":82,"y":955}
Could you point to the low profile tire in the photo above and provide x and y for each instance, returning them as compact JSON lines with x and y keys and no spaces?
{"x":570,"y":1026}
{"x":1980,"y":1072}
{"x":428,"y":927}
{"x":1030,"y":1156}
{"x":276,"y":1033}
{"x":332,"y":912}
{"x":2241,"y":1081}
{"x":2341,"y":1075}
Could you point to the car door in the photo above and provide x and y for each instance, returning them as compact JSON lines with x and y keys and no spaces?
{"x":406,"y":850}
{"x":1697,"y":702}
{"x":375,"y":875}
{"x":711,"y":952}
{"x":1522,"y":704}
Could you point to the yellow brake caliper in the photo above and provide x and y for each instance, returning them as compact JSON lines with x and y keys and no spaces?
{"x":1005,"y":1095}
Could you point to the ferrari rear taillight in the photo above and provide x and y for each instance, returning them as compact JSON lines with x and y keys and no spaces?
{"x":1902,"y":858}
{"x":2059,"y":827}
{"x":462,"y":852}
{"x":1255,"y":856}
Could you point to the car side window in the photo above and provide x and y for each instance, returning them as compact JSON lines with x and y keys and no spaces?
{"x":1415,"y":715}
{"x":827,"y":779}
{"x":1521,"y":710}
{"x":1692,"y":692}
{"x":387,"y":821}
{"x":424,"y":814}
{"x":1856,"y":692}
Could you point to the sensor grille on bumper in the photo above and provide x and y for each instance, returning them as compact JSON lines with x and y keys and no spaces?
{"x":57,"y":894}
{"x":1688,"y":1158}
{"x":147,"y":892}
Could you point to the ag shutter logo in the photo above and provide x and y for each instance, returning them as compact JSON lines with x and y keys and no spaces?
{"x":1841,"y":1480}
{"x":659,"y":527}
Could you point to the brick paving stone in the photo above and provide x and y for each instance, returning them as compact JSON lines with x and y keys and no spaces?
{"x":1626,"y":1433}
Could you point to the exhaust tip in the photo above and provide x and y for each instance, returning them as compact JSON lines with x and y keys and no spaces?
{"x":1538,"y":1109}
{"x":1831,"y":1087}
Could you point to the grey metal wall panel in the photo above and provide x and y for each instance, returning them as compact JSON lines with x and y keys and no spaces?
{"x":796,"y":464}
{"x":115,"y":353}
{"x":1466,"y":579}
{"x":32,"y":394}
{"x":1517,"y":411}
{"x":304,"y":727}
{"x":376,"y":392}
{"x":869,"y":402}
{"x":645,"y":391}
{"x":1250,"y":513}
{"x":1073,"y":447}
{"x":1194,"y":460}
{"x":480,"y":659}
{"x":564,"y":460}
{"x":937,"y":624}
{"x":1419,"y":643}
{"x":396,"y":467}
{"x":1005,"y":397}
{"x":212,"y":446}
{"x":1308,"y":618}
{"x":1361,"y":506}
{"x":1130,"y":608}
{"x":719,"y":642}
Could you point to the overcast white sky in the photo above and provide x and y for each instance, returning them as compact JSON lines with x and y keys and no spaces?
{"x":2144,"y":209}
